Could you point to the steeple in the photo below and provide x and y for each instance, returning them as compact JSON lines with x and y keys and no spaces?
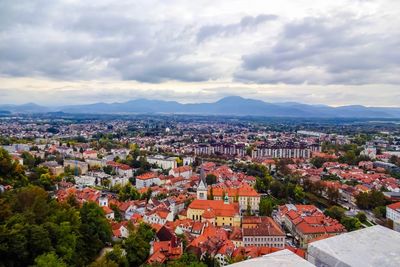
{"x":202,"y":175}
{"x":202,"y":188}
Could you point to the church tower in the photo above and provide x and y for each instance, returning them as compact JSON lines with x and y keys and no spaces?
{"x":202,"y":188}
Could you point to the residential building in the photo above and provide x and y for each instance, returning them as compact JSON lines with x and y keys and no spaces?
{"x":184,"y":171}
{"x":147,"y":180}
{"x":216,"y":212}
{"x":54,"y":167}
{"x":244,"y":194}
{"x":393,"y":213}
{"x":163,"y":162}
{"x":121,"y":169}
{"x":266,"y":232}
{"x":74,"y":165}
{"x":307,"y":222}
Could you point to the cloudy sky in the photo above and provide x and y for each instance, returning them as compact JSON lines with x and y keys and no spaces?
{"x":321,"y":52}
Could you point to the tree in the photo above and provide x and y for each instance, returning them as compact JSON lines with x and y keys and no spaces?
{"x":117,"y":255}
{"x":104,"y":262}
{"x":95,"y":230}
{"x":211,"y":179}
{"x":350,"y":223}
{"x":248,"y":209}
{"x":379,"y":212}
{"x":370,"y":200}
{"x":187,"y":259}
{"x":361,"y":217}
{"x":299,"y":193}
{"x":335,"y":212}
{"x":137,"y":245}
{"x":211,"y":195}
{"x":28,"y":160}
{"x":278,"y":189}
{"x":11,"y":172}
{"x":49,"y":260}
{"x":117,"y":213}
{"x":266,"y":207}
{"x":317,"y":162}
{"x":332,"y":194}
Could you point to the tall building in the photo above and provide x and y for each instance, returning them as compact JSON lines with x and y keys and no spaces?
{"x":202,"y":188}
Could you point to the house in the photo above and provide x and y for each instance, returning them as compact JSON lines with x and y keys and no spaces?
{"x":393,"y":213}
{"x":109,"y":213}
{"x":244,"y":194}
{"x":158,"y":217}
{"x":163,"y":162}
{"x":81,"y":166}
{"x":147,"y":180}
{"x":216,"y":212}
{"x":120,"y":230}
{"x":54,"y":167}
{"x":89,"y":154}
{"x":184,"y":171}
{"x":307,"y":222}
{"x":266,"y":232}
{"x":121,"y":169}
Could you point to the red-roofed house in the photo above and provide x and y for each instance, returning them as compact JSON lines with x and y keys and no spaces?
{"x":184,"y":171}
{"x":147,"y":180}
{"x":306,"y":222}
{"x":393,"y":212}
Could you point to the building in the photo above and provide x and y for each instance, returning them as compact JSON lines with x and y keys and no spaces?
{"x":81,"y":166}
{"x":393,"y":213}
{"x":282,"y":258}
{"x":307,"y":222}
{"x":371,"y":246}
{"x":163,"y":162}
{"x":227,"y":149}
{"x":387,"y":166}
{"x":202,"y":187}
{"x":285,"y":150}
{"x":54,"y":167}
{"x":89,"y":154}
{"x":184,"y":171}
{"x":245,"y":195}
{"x":121,"y":169}
{"x":215,"y":212}
{"x":147,"y":180}
{"x":262,"y":231}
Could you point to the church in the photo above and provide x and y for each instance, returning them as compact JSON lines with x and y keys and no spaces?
{"x":215,"y":212}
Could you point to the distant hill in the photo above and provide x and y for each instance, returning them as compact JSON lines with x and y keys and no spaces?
{"x":232,"y":105}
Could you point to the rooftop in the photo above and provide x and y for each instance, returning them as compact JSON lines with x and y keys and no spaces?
{"x":283,"y":258}
{"x":372,"y":246}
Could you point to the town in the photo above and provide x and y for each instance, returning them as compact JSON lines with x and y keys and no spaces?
{"x":193,"y":190}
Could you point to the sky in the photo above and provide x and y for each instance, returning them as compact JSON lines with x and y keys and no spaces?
{"x":340,"y":52}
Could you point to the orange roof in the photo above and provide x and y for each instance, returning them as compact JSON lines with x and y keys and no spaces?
{"x":107,"y":210}
{"x":147,"y":176}
{"x":119,"y":165}
{"x":244,"y":190}
{"x":394,"y":206}
{"x":182,"y":169}
{"x":157,"y":257}
{"x":218,"y":206}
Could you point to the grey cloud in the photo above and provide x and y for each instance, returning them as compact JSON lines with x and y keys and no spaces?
{"x":87,"y":42}
{"x":245,"y":23}
{"x":340,"y":49}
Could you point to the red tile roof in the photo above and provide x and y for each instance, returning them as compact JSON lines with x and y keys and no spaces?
{"x":218,"y":206}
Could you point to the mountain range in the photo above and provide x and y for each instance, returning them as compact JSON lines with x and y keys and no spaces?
{"x":232,"y":105}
